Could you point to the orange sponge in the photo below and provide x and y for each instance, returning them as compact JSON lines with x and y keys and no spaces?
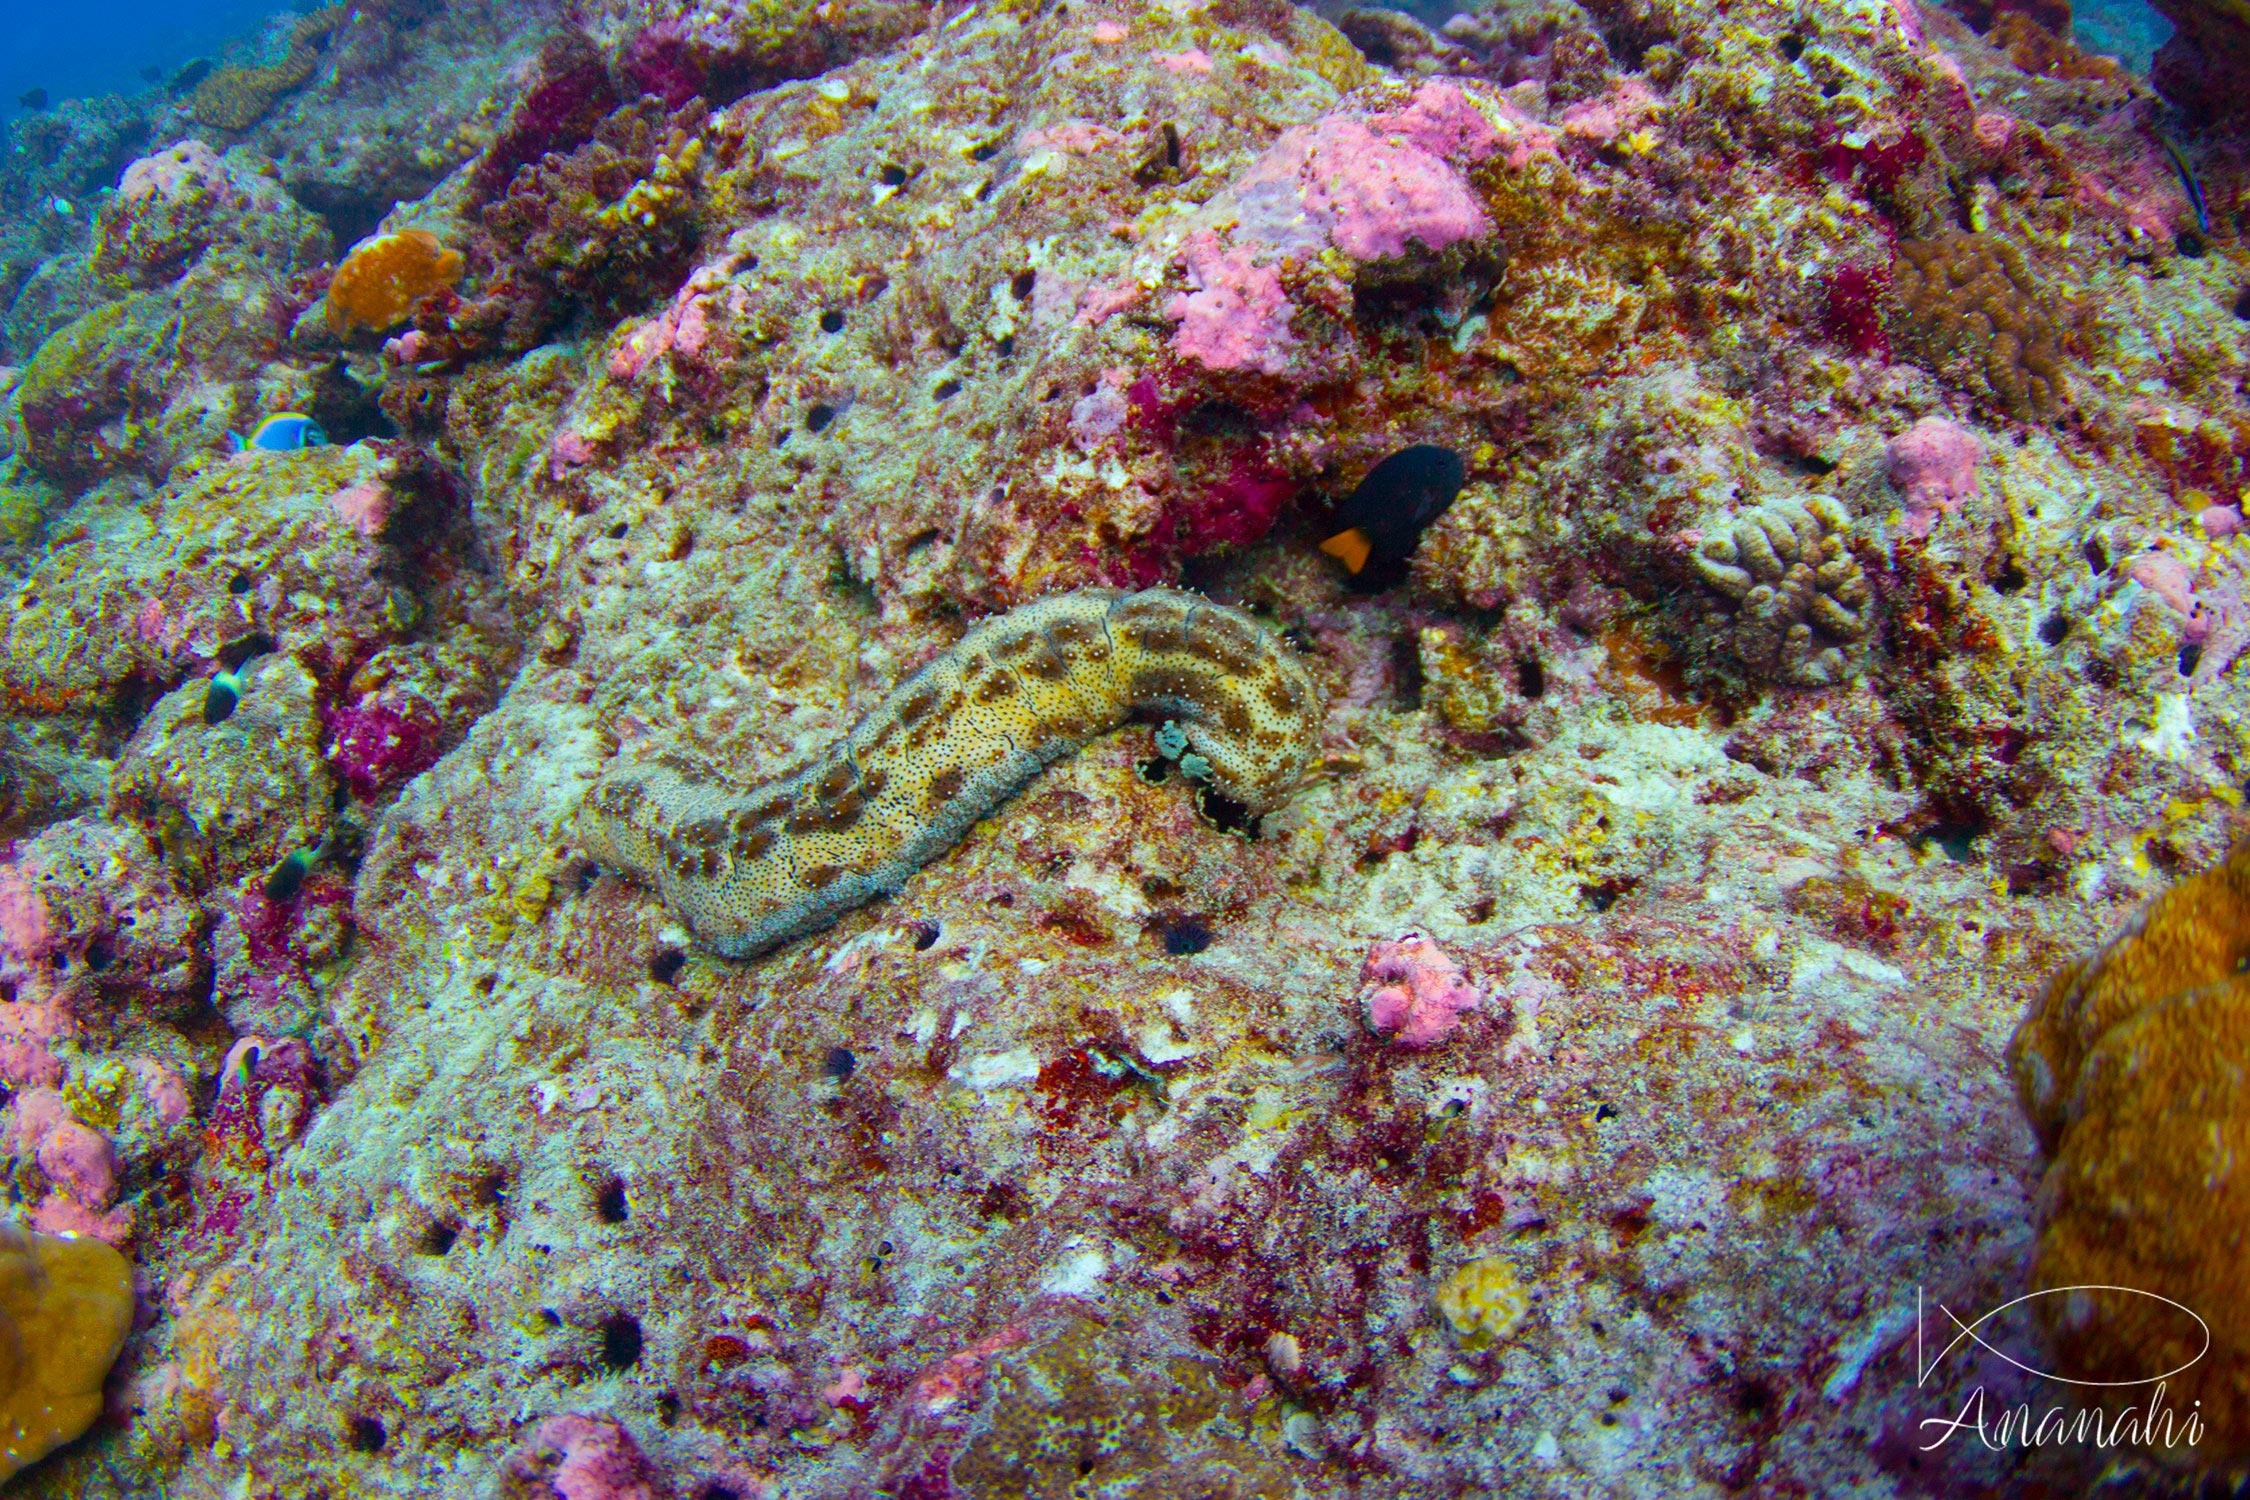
{"x":2132,"y":1070}
{"x":379,"y":283}
{"x":65,"y":1306}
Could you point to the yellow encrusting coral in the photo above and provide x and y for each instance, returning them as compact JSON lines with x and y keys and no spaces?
{"x":2132,"y":1070}
{"x":65,"y":1306}
{"x":1483,"y":1302}
{"x":378,"y":284}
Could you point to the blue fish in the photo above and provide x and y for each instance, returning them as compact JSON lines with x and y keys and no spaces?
{"x":285,"y":433}
{"x":2188,"y":180}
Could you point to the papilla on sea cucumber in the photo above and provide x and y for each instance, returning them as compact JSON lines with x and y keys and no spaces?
{"x":750,"y":869}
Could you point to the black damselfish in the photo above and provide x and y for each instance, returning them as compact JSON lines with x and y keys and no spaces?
{"x":1385,"y":517}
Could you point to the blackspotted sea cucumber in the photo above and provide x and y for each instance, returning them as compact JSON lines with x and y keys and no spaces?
{"x":751,"y":869}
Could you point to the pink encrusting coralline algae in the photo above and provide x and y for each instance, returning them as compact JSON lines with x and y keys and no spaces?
{"x":1373,"y":186}
{"x":1415,"y":992}
{"x":1933,"y":465}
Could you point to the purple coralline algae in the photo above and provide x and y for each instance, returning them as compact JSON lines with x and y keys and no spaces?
{"x":556,"y":929}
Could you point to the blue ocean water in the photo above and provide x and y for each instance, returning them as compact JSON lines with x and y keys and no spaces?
{"x":101,"y":46}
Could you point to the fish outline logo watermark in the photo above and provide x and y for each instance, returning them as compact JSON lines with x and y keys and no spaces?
{"x":2017,"y":1427}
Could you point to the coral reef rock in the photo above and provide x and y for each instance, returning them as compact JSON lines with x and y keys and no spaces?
{"x":1108,"y":1001}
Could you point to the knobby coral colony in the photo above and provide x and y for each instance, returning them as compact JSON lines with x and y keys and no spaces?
{"x":237,"y":98}
{"x":748,"y":870}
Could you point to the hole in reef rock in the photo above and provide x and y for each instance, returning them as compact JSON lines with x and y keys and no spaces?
{"x":610,"y":1205}
{"x":665,"y":967}
{"x":1531,"y":677}
{"x":439,"y":1238}
{"x":621,"y":1342}
{"x":367,"y":1435}
{"x":1224,"y":813}
{"x":1406,"y":670}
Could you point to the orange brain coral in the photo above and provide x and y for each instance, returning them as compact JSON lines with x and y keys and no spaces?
{"x":379,"y":283}
{"x":2135,"y":1071}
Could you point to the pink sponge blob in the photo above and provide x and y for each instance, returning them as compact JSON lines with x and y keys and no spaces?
{"x":1237,"y":315}
{"x":1415,"y":993}
{"x":587,"y":1458}
{"x":1934,"y":465}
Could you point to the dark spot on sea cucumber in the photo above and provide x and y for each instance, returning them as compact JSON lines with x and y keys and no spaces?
{"x":621,"y":1342}
{"x":917,"y":708}
{"x":752,"y":842}
{"x":820,"y":877}
{"x":665,"y":966}
{"x":833,"y":781}
{"x":999,"y":685}
{"x":1047,"y":665}
{"x":1284,"y":695}
{"x":945,"y":786}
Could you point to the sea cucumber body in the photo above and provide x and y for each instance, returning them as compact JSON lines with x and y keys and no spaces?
{"x":751,"y":869}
